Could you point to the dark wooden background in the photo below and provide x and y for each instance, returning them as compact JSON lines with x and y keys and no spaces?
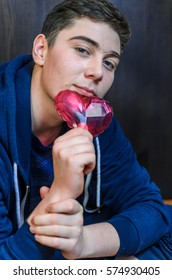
{"x":142,"y":93}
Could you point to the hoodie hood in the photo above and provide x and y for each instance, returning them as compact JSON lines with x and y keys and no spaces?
{"x":15,"y":78}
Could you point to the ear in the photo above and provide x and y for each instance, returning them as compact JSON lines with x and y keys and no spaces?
{"x":40,"y":48}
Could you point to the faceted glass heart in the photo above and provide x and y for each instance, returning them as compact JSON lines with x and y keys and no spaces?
{"x":92,"y":113}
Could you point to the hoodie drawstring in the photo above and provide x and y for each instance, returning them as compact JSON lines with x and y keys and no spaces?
{"x":19,"y":206}
{"x":98,"y":186}
{"x":16,"y":188}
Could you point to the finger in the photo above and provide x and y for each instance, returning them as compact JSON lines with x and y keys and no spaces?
{"x":75,"y":132}
{"x":65,"y":244}
{"x":80,"y":157}
{"x":57,"y":219}
{"x":57,"y":231}
{"x":73,"y":145}
{"x":72,"y":156}
{"x":72,"y":139}
{"x":86,"y":163}
{"x":44,"y":191}
{"x":68,"y":206}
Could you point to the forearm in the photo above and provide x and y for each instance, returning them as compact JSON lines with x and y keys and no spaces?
{"x":99,"y":240}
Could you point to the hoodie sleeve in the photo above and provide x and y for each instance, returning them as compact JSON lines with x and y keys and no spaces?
{"x":22,"y":246}
{"x":16,"y":244}
{"x":139,"y":214}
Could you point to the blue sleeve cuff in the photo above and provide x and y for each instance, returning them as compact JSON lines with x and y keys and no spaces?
{"x":23,"y":246}
{"x":128,"y":235}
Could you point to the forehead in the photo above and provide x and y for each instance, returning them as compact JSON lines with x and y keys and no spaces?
{"x":100,"y":32}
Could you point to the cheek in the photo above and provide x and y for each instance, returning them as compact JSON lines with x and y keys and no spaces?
{"x":58,"y":72}
{"x":66,"y":69}
{"x":108,"y":81}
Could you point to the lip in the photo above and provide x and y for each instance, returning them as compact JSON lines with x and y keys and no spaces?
{"x":85,"y":91}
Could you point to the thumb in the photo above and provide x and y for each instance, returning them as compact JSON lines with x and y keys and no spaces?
{"x":44,"y":191}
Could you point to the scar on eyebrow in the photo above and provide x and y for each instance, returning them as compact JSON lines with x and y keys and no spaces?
{"x":95,"y":44}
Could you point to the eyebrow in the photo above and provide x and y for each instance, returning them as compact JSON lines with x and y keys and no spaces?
{"x":94,"y":44}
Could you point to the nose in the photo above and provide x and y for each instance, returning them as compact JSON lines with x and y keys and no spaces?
{"x":94,"y":69}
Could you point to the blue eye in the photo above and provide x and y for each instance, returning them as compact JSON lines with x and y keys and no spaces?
{"x":82,"y":50}
{"x":109,"y":65}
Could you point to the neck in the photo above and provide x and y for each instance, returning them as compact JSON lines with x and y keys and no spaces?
{"x":48,"y":137}
{"x":46,"y":124}
{"x":45,"y":130}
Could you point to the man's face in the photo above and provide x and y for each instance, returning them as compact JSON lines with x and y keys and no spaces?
{"x":83,"y":59}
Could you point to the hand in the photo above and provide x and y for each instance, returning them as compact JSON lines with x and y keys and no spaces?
{"x":73,"y":157}
{"x":61,"y":228}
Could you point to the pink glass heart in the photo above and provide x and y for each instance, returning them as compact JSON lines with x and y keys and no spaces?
{"x":91,"y":113}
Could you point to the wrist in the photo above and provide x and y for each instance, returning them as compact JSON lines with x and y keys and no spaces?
{"x":99,"y":240}
{"x":54,"y":194}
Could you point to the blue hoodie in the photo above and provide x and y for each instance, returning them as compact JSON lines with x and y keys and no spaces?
{"x":119,"y":191}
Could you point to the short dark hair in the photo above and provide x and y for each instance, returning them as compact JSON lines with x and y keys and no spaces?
{"x":65,"y":13}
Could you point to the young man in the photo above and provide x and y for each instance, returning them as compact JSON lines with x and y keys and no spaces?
{"x":63,"y":193}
